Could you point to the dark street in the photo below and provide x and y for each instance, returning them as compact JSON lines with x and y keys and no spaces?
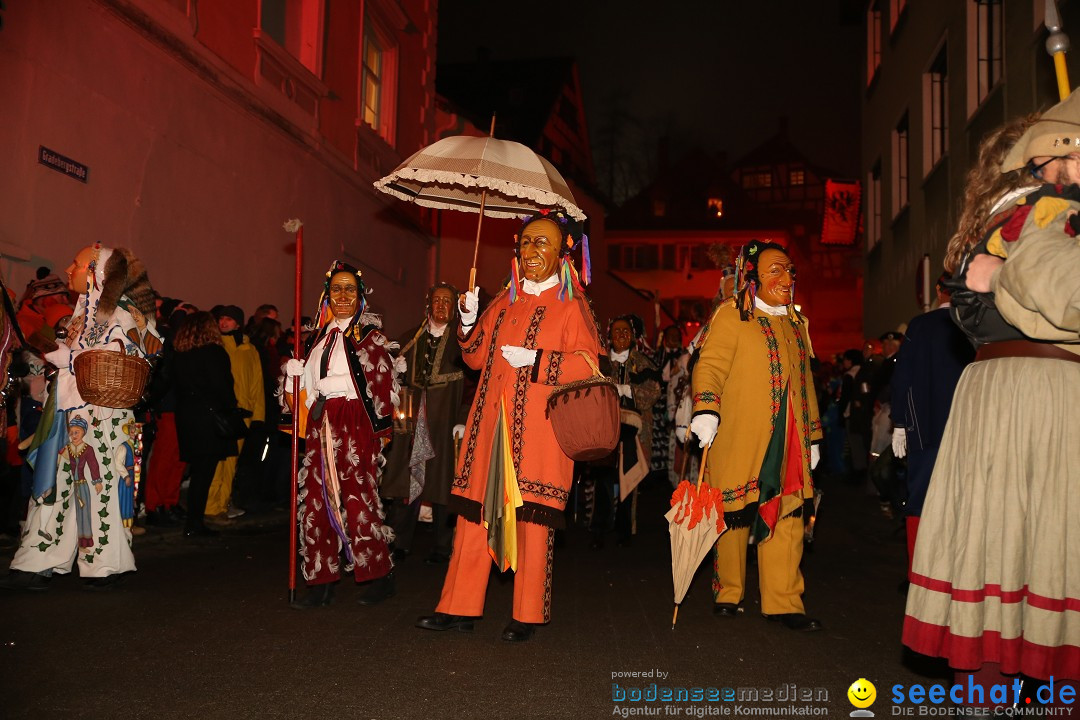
{"x":204,"y":630}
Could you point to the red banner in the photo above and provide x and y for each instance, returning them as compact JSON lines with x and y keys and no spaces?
{"x":841,"y":223}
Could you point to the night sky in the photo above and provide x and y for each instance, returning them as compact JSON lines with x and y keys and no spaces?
{"x":716,"y":74}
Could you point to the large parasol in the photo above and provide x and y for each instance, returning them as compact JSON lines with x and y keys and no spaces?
{"x":497,"y":178}
{"x":695,"y":521}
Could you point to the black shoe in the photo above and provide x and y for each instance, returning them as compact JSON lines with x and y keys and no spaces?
{"x":728,"y":610}
{"x":796,"y":621}
{"x":399,"y":554}
{"x":106,"y":582}
{"x":161,"y":518}
{"x":378,"y":590}
{"x":177,"y":513}
{"x":316,"y":596}
{"x":200,"y":531}
{"x":518,"y":631}
{"x":442,"y":621}
{"x":437,"y":558}
{"x":19,"y":580}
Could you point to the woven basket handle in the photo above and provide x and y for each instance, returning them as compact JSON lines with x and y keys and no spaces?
{"x":118,"y":341}
{"x":589,"y":361}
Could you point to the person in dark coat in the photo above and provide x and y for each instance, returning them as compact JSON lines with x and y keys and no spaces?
{"x":931,"y":359}
{"x":203,"y":380}
{"x":421,"y":458}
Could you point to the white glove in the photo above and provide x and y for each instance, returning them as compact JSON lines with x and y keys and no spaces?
{"x":458,"y":432}
{"x":680,"y":434}
{"x":815,"y":456}
{"x":333,"y":385}
{"x":704,"y":427}
{"x":518,"y":357}
{"x":472,"y":305}
{"x":625,"y":391}
{"x":60,"y":357}
{"x":899,"y":442}
{"x":294,"y":367}
{"x":400,"y":364}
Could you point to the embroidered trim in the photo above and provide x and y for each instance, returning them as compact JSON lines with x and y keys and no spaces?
{"x":543,"y":490}
{"x":804,"y":400}
{"x":474,"y":344}
{"x":461,"y":480}
{"x":739,"y":492}
{"x":554,"y":369}
{"x":707,"y":397}
{"x":776,"y":370}
{"x":437,"y":378}
{"x":549,"y":557}
{"x":521,"y":385}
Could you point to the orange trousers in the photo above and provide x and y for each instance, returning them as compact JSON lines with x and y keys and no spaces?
{"x":466,"y":582}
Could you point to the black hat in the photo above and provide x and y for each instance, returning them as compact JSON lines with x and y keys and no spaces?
{"x":232,"y":311}
{"x":892,"y":335}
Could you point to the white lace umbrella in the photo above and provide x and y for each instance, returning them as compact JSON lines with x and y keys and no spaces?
{"x":497,"y":178}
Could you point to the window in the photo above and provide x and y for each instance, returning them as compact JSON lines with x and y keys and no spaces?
{"x":873,"y":207}
{"x":873,"y":40}
{"x":297,"y":26}
{"x":797,"y":177}
{"x":896,"y":9}
{"x":900,"y":166}
{"x":667,"y":258}
{"x":753,"y":179}
{"x":936,"y":110}
{"x":716,"y":205}
{"x":985,"y":49}
{"x":378,"y":80}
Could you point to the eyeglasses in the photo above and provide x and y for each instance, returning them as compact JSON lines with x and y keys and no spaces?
{"x":1036,"y":170}
{"x":343,"y":289}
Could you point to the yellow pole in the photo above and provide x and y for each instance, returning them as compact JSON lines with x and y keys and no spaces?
{"x":1062,"y":75}
{"x":1057,"y":44}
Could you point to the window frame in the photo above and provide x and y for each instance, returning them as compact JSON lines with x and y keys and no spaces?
{"x":901,"y":165}
{"x":936,"y":109}
{"x":385,"y":125}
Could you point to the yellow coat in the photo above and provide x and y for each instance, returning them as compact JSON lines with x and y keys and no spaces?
{"x":247,"y":377}
{"x":741,"y":372}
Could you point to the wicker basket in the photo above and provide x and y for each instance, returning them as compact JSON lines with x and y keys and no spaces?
{"x":585,"y":416}
{"x":111,"y":379}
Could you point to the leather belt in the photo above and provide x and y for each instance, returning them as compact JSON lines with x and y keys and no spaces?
{"x":1023,"y":348}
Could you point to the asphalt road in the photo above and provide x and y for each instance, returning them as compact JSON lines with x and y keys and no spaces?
{"x":203,"y":629}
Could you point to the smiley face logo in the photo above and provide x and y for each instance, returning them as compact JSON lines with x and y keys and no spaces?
{"x":862,"y":693}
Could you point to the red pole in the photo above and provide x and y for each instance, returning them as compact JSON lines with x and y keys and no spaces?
{"x":296,"y":413}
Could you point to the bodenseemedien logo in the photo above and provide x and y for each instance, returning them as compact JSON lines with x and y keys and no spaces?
{"x":862,"y":694}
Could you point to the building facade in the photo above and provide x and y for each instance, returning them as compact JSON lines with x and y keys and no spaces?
{"x":937,"y":76}
{"x":203,"y":126}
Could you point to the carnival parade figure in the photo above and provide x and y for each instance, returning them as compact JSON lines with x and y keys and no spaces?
{"x":617,"y":476}
{"x":535,"y":335}
{"x":66,"y":521}
{"x":755,"y":409}
{"x":349,"y":390}
{"x":996,"y":570}
{"x":420,"y":462}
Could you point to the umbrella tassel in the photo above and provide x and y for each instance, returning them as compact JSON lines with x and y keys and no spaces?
{"x":586,"y":260}
{"x":515,"y":279}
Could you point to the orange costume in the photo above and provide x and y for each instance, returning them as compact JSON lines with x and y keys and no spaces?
{"x":555,"y":329}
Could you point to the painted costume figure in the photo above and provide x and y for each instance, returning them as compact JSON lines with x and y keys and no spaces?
{"x":616,"y":477}
{"x":420,"y":462}
{"x":755,"y":410}
{"x":349,"y":389}
{"x":534,"y":336}
{"x":77,"y":507}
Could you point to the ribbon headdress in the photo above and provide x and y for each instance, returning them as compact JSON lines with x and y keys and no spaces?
{"x":571,"y":231}
{"x":324,"y":314}
{"x":747,"y":280}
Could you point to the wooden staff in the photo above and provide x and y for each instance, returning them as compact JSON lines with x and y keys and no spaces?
{"x":297,"y":227}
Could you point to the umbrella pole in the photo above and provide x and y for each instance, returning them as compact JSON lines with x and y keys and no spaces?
{"x":674,"y":617}
{"x":295,"y":459}
{"x":476,"y":246}
{"x":480,"y":222}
